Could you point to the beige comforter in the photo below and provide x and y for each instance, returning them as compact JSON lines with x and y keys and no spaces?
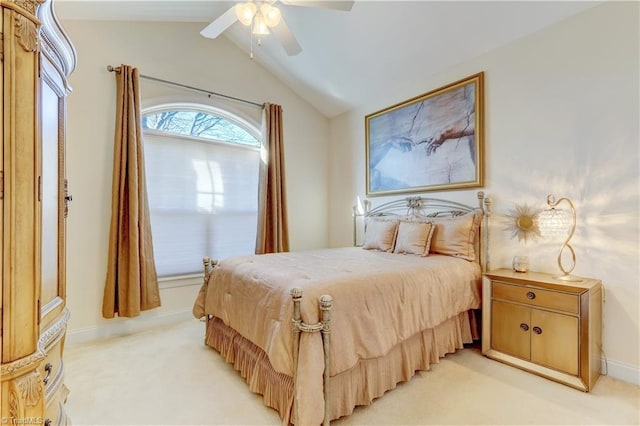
{"x":380,"y":299}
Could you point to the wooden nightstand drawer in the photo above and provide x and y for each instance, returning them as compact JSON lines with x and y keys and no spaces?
{"x":536,"y":297}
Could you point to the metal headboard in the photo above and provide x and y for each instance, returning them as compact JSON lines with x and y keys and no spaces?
{"x":435,"y":207}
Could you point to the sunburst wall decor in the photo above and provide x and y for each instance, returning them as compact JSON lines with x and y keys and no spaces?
{"x":522,"y":222}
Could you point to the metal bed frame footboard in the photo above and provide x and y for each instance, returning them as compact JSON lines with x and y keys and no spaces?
{"x":299,"y":326}
{"x":422,"y":206}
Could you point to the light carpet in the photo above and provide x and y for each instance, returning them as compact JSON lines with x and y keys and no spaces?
{"x":168,"y":376}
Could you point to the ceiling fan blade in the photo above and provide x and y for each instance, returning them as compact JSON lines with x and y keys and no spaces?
{"x":289,"y":42}
{"x":218,"y":26}
{"x":327,"y":4}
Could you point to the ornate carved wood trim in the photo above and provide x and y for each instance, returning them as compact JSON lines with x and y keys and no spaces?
{"x":57,"y":329}
{"x":24,"y":392}
{"x":23,"y":7}
{"x":29,"y":5}
{"x":25,"y":22}
{"x":14,"y":405}
{"x":30,"y":387}
{"x":50,"y":50}
{"x":55,"y":43}
{"x":26,"y":32}
{"x":54,"y":78}
{"x":19,"y":366}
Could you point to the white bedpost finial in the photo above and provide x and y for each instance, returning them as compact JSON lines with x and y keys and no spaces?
{"x":206,"y":263}
{"x":326,"y":302}
{"x":480,"y":198}
{"x":296,"y":293}
{"x":487,"y":203}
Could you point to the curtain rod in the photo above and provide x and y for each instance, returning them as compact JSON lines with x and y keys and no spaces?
{"x":171,"y":83}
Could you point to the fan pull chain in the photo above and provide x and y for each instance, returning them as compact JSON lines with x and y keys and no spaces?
{"x":251,"y":43}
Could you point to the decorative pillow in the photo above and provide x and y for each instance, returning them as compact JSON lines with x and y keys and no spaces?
{"x":455,"y":236}
{"x":380,"y":234}
{"x":414,"y":238}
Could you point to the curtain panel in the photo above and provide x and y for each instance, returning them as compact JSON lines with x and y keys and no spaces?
{"x":131,"y":283}
{"x":273,"y":229}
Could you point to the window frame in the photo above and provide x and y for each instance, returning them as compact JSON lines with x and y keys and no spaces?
{"x":233,"y":117}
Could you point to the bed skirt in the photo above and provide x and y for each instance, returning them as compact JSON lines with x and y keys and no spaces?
{"x":361,"y":384}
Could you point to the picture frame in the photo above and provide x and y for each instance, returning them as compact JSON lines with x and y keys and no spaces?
{"x":432,"y":142}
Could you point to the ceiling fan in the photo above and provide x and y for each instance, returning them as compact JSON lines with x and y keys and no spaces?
{"x":262,"y":16}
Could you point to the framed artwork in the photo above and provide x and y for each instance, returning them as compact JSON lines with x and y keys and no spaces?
{"x":432,"y":142}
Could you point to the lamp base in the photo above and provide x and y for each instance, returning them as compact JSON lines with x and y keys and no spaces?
{"x":570,"y":278}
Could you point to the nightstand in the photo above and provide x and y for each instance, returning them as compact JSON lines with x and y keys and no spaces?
{"x":543,"y":325}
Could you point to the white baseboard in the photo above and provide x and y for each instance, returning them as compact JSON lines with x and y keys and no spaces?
{"x":620,"y":371}
{"x":125,"y":326}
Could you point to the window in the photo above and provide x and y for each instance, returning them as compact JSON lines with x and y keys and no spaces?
{"x":202,"y":169}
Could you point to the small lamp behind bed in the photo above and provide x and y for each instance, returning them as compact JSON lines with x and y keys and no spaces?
{"x":360,"y":210}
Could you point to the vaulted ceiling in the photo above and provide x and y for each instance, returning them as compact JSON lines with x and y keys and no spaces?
{"x":346,"y":56}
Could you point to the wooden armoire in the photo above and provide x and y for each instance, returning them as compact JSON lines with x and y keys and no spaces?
{"x":37,"y":58}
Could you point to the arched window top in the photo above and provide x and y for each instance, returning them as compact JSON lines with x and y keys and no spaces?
{"x":200,"y":121}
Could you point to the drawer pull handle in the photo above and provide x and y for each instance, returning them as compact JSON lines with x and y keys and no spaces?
{"x":524,"y":327}
{"x":48,"y":368}
{"x":531,"y":295}
{"x":537,"y":330}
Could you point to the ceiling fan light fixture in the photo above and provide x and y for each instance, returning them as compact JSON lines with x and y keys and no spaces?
{"x":245,"y":12}
{"x":271,"y":14}
{"x":260,"y":25}
{"x":261,"y":17}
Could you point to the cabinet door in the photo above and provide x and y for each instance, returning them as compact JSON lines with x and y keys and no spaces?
{"x":554,"y":341}
{"x":52,"y":182}
{"x":510,"y":329}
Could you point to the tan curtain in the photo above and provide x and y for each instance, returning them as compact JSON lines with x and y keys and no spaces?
{"x":273,"y":230}
{"x":132,"y":283}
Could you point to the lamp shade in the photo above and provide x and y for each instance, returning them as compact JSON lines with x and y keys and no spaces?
{"x":245,"y":12}
{"x":358,"y":207}
{"x":271,"y":14}
{"x":555,"y":222}
{"x":259,"y":25}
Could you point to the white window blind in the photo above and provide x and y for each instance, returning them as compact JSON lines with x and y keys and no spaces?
{"x":202,"y":199}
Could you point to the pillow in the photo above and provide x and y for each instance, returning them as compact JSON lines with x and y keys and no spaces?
{"x":414,"y":238}
{"x":455,"y":236}
{"x":380,"y":235}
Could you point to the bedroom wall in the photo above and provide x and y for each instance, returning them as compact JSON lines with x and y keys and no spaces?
{"x":561,"y":117}
{"x":176,"y":52}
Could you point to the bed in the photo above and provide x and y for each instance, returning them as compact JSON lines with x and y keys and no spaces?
{"x":371,"y":316}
